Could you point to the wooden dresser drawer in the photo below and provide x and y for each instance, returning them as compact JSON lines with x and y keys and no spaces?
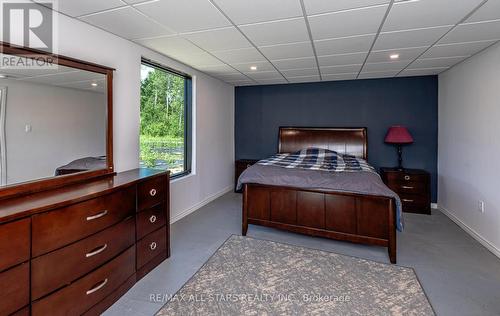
{"x":414,"y":202}
{"x":14,"y":243}
{"x":151,"y":245}
{"x":150,"y":220}
{"x":409,"y":187}
{"x":15,"y":292}
{"x":61,"y":227}
{"x":151,"y":192}
{"x":58,"y":268}
{"x":80,"y":296}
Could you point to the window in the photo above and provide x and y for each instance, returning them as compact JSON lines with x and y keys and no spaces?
{"x":165,"y":130}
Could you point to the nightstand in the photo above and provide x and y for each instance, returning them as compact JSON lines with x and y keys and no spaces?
{"x":413,"y":187}
{"x":240,"y":165}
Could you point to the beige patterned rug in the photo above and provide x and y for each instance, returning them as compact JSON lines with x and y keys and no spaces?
{"x":248,"y":276}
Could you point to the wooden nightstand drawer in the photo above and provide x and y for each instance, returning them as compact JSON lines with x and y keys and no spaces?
{"x":412,"y":186}
{"x":408,"y":187}
{"x":150,"y":220}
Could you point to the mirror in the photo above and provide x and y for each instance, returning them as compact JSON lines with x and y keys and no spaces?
{"x":53,"y":121}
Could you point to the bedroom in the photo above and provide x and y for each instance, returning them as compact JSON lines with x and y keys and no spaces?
{"x":208,"y":89}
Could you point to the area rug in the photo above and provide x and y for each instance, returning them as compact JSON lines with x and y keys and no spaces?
{"x":248,"y":276}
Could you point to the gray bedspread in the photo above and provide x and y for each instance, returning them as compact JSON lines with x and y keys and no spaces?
{"x":362,"y":182}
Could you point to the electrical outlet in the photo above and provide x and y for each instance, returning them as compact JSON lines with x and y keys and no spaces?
{"x":481,"y":206}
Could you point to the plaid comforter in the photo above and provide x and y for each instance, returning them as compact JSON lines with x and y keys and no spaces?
{"x":318,"y":159}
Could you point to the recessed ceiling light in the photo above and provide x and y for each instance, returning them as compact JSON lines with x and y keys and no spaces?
{"x":394,"y":56}
{"x":253,"y":68}
{"x":93,"y":84}
{"x":3,"y":76}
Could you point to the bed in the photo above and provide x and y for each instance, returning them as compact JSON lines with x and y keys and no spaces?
{"x":355,"y":207}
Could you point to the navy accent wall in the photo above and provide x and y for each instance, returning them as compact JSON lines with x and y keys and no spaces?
{"x":374,"y":103}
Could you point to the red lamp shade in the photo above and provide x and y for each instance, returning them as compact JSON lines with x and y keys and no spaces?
{"x":398,"y":135}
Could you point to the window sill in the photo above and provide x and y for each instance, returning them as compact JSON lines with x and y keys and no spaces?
{"x":182,"y":177}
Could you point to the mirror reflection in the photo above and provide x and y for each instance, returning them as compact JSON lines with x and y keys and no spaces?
{"x":52,"y":122}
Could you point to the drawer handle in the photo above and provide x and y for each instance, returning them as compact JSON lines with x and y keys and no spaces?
{"x":249,"y":165}
{"x":407,"y":187}
{"x":97,"y":251}
{"x":407,"y":178}
{"x":152,"y":219}
{"x":152,"y":192}
{"x":96,"y":216}
{"x":98,"y":287}
{"x":152,"y":246}
{"x":406,"y":200}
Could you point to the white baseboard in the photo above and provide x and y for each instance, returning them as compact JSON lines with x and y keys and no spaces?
{"x":195,"y":207}
{"x":434,"y":205}
{"x":471,"y":232}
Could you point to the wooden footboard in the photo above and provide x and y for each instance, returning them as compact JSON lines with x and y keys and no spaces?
{"x":351,"y":217}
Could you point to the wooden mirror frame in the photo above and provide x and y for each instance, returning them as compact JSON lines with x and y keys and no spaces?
{"x":48,"y":183}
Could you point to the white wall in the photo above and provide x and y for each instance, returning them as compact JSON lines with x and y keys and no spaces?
{"x":66,"y":124}
{"x":469,"y":145}
{"x":213,"y":104}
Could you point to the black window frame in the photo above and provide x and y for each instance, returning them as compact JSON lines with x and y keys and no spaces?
{"x":188,"y":113}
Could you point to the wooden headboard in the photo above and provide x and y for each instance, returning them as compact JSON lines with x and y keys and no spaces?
{"x":351,"y":141}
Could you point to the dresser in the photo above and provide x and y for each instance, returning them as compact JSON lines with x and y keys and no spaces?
{"x":239,"y":166}
{"x":412,"y":186}
{"x":77,"y":249}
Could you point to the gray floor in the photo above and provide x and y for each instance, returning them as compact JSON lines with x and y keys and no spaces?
{"x":459,"y":276}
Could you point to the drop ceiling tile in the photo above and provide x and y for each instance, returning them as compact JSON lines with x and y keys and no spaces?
{"x":259,"y":75}
{"x":436,"y":62}
{"x":409,"y":38}
{"x":77,"y":7}
{"x":234,"y":77}
{"x":300,"y":72}
{"x":126,"y":22}
{"x":240,"y":56}
{"x":218,"y":39}
{"x":295,"y":63}
{"x":198,"y":60}
{"x":347,"y":23}
{"x":303,"y":79}
{"x":245,"y":12}
{"x":343,"y":59}
{"x":404,"y":54}
{"x":489,"y":11}
{"x":457,"y":49}
{"x":386,"y":66}
{"x":427,"y":13}
{"x":173,"y":46}
{"x":421,"y":72}
{"x":272,"y":81}
{"x":134,"y":1}
{"x":340,"y":69}
{"x":469,"y":32}
{"x":378,"y":74}
{"x":184,"y":16}
{"x":323,"y":6}
{"x":284,"y":51}
{"x":261,"y":66}
{"x":218,"y":69}
{"x":337,"y":77}
{"x":343,"y":45}
{"x":277,"y":32}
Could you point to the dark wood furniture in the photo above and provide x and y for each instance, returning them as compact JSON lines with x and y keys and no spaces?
{"x":413,"y":187}
{"x":59,"y":181}
{"x":351,"y":217}
{"x":239,"y":166}
{"x":75,"y":250}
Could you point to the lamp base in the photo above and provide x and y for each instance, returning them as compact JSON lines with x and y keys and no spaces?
{"x":400,"y":157}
